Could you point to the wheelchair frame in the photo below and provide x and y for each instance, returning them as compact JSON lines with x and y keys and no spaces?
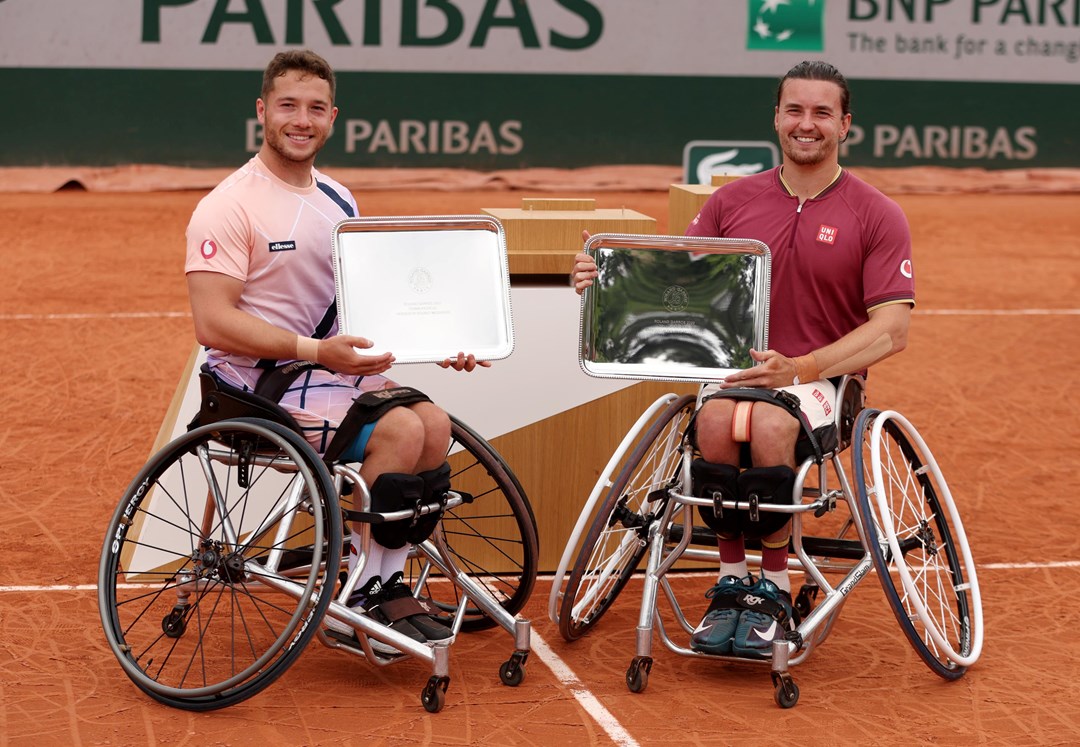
{"x":207,"y":594}
{"x":906,"y":527}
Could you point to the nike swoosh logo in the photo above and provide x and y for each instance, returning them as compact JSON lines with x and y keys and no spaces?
{"x":768,"y":635}
{"x":703,"y":627}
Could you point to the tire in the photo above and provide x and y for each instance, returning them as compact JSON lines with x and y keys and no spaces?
{"x":197,"y":618}
{"x":917,"y":541}
{"x":493,"y":539}
{"x":617,"y":538}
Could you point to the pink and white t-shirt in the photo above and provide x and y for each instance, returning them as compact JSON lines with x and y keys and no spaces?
{"x":276,"y":238}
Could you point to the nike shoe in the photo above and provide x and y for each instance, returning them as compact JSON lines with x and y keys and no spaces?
{"x":717,"y":629}
{"x":767,"y":616}
{"x":367,"y":599}
{"x":425,"y":622}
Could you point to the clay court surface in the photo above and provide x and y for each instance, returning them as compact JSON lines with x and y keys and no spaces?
{"x":96,"y":331}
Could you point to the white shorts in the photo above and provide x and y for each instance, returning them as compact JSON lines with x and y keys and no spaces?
{"x":817,"y":400}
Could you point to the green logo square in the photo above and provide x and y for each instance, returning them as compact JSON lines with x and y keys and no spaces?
{"x":786,"y":25}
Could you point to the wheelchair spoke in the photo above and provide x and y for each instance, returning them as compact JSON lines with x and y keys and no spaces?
{"x":203,"y":623}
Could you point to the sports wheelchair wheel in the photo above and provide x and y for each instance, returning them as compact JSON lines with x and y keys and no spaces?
{"x":617,"y":540}
{"x":492,"y":539}
{"x":213,"y":577}
{"x":918,"y":543}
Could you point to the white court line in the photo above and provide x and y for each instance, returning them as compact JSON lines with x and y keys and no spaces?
{"x":588,"y":701}
{"x":563,"y":673}
{"x":548,"y":576}
{"x":112,"y":315}
{"x":185,"y":314}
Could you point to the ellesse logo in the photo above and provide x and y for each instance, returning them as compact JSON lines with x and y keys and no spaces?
{"x":282,"y":246}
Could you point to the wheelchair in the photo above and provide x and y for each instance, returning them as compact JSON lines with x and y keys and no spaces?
{"x":896,"y":518}
{"x":223,"y":556}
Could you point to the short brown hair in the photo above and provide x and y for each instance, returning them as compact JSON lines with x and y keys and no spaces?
{"x":817,"y":70}
{"x":303,"y":60}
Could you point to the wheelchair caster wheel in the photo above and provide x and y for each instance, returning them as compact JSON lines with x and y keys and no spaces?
{"x":512,"y":672}
{"x":175,"y":623}
{"x":804,"y":602}
{"x":787,"y":692}
{"x":434,"y":694}
{"x":637,"y":676}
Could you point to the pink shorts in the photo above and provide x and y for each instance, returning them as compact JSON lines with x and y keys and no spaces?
{"x":317,"y":400}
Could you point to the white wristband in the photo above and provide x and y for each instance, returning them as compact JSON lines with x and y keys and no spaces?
{"x":307,"y":349}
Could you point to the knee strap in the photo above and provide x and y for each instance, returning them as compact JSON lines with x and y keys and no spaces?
{"x":367,"y":408}
{"x":436,"y":486}
{"x":740,"y":420}
{"x":765,"y":485}
{"x":395,"y":491}
{"x":719,"y":482}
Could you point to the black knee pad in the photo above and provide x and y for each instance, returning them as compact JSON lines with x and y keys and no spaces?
{"x":719,"y":482}
{"x":765,"y":485}
{"x":395,"y":491}
{"x":436,"y":485}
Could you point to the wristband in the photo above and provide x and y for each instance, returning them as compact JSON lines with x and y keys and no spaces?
{"x":806,"y":369}
{"x":307,"y":349}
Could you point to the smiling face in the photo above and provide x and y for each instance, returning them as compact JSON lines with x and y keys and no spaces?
{"x":297,"y":115}
{"x":810,"y":122}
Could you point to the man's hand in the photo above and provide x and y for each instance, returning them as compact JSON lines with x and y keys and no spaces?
{"x":464,"y":362}
{"x":339,"y":353}
{"x":775,"y":371}
{"x":584,"y":269}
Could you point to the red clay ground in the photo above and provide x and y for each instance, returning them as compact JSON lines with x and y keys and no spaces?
{"x":989,"y":379}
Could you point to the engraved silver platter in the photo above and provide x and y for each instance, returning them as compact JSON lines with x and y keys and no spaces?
{"x":674,"y":308}
{"x":424,"y":288}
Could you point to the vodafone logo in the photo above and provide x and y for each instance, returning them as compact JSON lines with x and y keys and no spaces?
{"x":208,"y":249}
{"x":905,"y":268}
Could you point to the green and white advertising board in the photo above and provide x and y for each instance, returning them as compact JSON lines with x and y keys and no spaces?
{"x":494,"y":84}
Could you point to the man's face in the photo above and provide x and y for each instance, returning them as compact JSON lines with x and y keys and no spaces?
{"x":297,"y":116}
{"x":809,"y":121}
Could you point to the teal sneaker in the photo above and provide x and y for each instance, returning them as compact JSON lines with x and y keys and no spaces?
{"x":767,"y":616}
{"x":717,"y":629}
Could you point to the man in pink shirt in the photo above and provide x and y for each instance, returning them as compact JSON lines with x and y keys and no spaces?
{"x":261,"y":285}
{"x":840,"y":300}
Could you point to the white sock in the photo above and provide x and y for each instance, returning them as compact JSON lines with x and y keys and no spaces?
{"x":393,"y":561}
{"x":739,"y":570}
{"x":780,"y":578}
{"x":371,"y":567}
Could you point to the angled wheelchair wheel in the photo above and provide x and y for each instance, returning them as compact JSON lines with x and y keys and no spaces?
{"x":493,"y":538}
{"x":617,"y":539}
{"x":918,"y":543}
{"x":212,"y":577}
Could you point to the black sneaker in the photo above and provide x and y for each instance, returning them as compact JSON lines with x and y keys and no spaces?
{"x":367,"y":599}
{"x":432,"y":629}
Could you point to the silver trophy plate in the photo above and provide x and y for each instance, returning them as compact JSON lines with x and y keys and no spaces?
{"x":674,"y":308}
{"x":424,"y":288}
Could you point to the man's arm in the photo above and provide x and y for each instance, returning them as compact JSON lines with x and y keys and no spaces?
{"x":220,"y":324}
{"x":882,"y":335}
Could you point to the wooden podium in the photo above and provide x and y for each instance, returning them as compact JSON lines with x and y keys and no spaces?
{"x":544,"y":234}
{"x":685,"y":201}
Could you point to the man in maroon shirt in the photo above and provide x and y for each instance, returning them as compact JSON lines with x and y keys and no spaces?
{"x":840,"y":300}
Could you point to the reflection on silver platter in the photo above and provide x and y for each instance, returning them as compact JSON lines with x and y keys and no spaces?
{"x":424,"y":288}
{"x":674,"y":308}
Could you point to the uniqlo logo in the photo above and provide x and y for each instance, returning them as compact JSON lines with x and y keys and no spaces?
{"x":826,"y":234}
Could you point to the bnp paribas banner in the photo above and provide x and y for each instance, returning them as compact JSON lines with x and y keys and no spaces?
{"x":511,"y":83}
